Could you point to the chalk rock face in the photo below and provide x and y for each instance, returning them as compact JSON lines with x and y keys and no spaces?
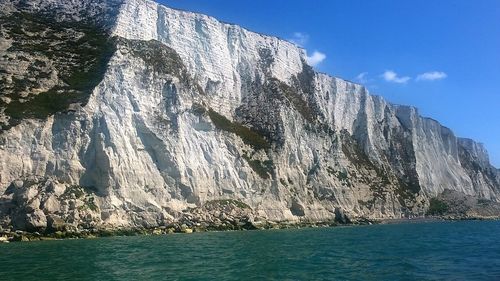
{"x":127,"y":113}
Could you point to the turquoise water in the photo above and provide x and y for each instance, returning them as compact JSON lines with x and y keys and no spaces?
{"x":467,"y":250}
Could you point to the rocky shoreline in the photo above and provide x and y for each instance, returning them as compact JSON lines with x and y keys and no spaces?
{"x":214,"y":215}
{"x":9,"y":235}
{"x":129,"y":116}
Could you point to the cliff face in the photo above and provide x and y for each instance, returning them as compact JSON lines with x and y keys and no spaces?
{"x":129,"y":113}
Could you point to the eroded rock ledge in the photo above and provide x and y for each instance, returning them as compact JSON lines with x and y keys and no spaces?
{"x":42,"y":209}
{"x":123,"y":115}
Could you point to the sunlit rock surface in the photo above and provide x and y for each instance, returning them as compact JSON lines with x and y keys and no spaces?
{"x":169,"y":110}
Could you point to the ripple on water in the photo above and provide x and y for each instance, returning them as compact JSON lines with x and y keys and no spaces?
{"x":423,"y":251}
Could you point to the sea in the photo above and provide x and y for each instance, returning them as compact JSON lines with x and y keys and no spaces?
{"x":443,"y":250}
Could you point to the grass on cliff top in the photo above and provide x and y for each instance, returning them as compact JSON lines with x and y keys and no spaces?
{"x":248,"y":136}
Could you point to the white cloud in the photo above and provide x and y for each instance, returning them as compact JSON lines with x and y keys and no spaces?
{"x":391,"y":76}
{"x":299,"y":38}
{"x":362,"y":78}
{"x":431,"y":76}
{"x":316,"y":58}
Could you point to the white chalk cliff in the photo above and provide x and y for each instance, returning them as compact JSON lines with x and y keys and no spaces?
{"x":186,"y":109}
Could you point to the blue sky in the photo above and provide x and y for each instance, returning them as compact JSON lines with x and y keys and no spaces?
{"x":440,"y":56}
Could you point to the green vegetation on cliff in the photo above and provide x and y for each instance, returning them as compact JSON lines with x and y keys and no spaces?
{"x":63,"y":62}
{"x":248,"y":136}
{"x":437,"y":207}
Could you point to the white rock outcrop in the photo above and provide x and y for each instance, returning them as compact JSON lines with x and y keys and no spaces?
{"x":151,"y":140}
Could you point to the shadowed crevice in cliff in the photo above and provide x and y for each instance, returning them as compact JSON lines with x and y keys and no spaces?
{"x":291,"y":97}
{"x":95,"y":159}
{"x":164,"y":161}
{"x":266,"y":97}
{"x":305,"y":81}
{"x":382,"y":179}
{"x":264,"y":102}
{"x":260,"y":110}
{"x":399,"y":157}
{"x":402,"y":160}
{"x":260,"y":105}
{"x":480,"y":172}
{"x":209,"y":111}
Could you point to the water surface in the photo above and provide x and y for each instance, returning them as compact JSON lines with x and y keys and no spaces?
{"x":466,"y":250}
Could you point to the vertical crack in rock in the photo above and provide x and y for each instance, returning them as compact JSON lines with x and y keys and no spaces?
{"x":125,"y":113}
